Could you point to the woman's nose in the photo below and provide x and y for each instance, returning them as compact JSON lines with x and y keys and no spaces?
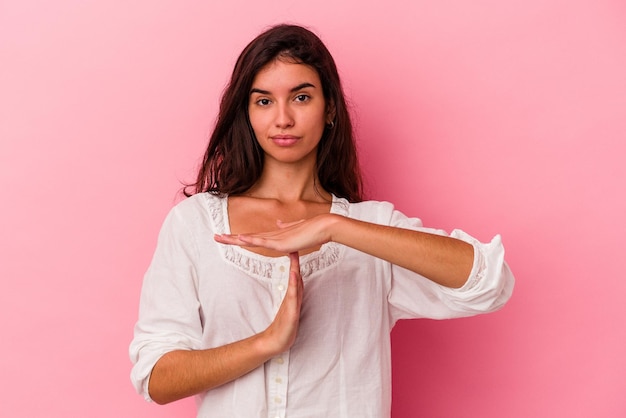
{"x":284,"y":116}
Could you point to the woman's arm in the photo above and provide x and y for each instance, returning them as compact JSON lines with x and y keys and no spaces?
{"x":183,"y":373}
{"x":444,"y":260}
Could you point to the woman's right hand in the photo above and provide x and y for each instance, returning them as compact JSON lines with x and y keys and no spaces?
{"x":282,"y":332}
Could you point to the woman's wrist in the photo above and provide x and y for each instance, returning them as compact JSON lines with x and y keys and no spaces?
{"x":333,"y":225}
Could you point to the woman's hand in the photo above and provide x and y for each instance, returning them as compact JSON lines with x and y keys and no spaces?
{"x":282,"y":332}
{"x":289,"y":237}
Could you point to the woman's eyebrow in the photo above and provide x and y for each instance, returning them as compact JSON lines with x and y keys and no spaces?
{"x":296,"y":88}
{"x":302,"y":86}
{"x":259,"y":91}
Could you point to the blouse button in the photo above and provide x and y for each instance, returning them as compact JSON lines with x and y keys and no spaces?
{"x":281,"y":287}
{"x":282,"y":269}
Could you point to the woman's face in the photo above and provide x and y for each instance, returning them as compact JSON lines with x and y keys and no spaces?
{"x":288,"y":111}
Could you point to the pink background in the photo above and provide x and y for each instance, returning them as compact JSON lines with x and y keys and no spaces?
{"x":495,"y":117}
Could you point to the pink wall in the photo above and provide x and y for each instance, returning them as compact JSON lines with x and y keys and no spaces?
{"x":492,"y":116}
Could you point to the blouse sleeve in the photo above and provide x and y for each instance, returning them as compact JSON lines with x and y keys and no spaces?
{"x":487,"y":289}
{"x":169,"y":314}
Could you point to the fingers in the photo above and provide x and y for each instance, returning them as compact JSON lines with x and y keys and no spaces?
{"x":296,"y":285}
{"x":294,"y":266}
{"x":271,"y":240}
{"x":293,"y":298}
{"x":229,"y":239}
{"x":284,"y":328}
{"x":241,"y":240}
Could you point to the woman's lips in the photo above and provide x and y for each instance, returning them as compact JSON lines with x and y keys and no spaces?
{"x":284,"y":140}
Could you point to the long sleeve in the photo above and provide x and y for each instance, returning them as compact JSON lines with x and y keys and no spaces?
{"x":169,"y":311}
{"x":487,"y":289}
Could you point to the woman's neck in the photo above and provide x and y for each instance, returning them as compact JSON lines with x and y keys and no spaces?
{"x":289,"y":183}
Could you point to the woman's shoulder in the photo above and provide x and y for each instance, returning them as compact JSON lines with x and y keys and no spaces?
{"x":369,"y":210}
{"x":199,"y":207}
{"x":380,"y":212}
{"x":199,"y":201}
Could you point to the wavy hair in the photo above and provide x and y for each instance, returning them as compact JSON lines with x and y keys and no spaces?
{"x":233,"y":160}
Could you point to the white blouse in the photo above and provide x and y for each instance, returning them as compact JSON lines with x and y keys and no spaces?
{"x":200,"y":294}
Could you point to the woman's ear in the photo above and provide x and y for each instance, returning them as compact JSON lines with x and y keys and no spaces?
{"x":330,"y":112}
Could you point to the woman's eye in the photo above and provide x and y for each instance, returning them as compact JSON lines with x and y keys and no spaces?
{"x":263,"y":102}
{"x":302,"y":98}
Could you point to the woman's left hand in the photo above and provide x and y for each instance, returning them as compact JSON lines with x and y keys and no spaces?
{"x":289,"y":237}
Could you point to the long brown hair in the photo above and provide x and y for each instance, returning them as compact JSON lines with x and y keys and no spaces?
{"x":233,"y":161}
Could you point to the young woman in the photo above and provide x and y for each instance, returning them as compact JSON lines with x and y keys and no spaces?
{"x":274,"y":287}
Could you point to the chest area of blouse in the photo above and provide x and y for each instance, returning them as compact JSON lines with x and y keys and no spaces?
{"x":337,"y":283}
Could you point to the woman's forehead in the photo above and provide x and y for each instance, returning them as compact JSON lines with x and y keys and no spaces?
{"x":280,"y":73}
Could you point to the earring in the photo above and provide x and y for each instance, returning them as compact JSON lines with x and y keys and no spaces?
{"x":331,"y":125}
